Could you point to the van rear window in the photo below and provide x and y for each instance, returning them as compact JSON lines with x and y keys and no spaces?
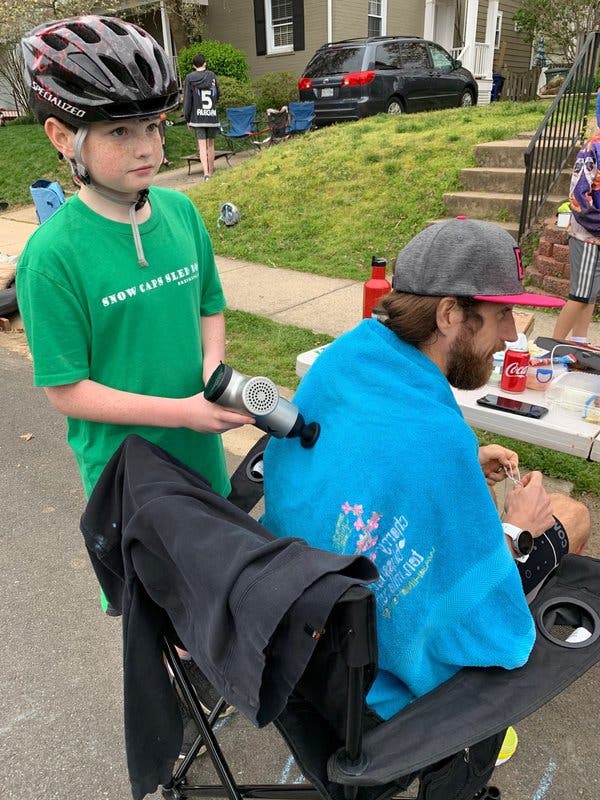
{"x":335,"y":61}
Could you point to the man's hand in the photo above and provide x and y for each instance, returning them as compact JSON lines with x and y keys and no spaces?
{"x":528,"y":506}
{"x":493,"y":459}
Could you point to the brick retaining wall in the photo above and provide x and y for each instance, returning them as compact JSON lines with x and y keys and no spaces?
{"x":550,"y":268}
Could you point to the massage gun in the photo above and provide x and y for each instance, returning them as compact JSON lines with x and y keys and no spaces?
{"x":260,"y":398}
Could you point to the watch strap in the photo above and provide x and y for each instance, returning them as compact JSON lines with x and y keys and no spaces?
{"x":513,"y":532}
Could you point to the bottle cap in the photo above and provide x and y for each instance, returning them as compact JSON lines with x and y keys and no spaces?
{"x":378,"y":262}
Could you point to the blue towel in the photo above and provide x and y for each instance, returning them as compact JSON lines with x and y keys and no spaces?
{"x":395,"y":476}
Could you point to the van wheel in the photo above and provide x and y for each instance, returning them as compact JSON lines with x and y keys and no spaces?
{"x":394,"y":106}
{"x":467,"y":99}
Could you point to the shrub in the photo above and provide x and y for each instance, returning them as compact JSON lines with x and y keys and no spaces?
{"x":275,"y":89}
{"x":234,"y":93}
{"x":222,"y":58}
{"x":24,"y":119}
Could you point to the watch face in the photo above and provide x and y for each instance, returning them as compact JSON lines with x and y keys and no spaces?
{"x":524,"y":543}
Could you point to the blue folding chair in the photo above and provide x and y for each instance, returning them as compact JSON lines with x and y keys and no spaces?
{"x":47,"y":197}
{"x":302,"y":116}
{"x":240,"y":124}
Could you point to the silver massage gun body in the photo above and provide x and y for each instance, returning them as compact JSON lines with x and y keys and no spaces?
{"x":260,"y":398}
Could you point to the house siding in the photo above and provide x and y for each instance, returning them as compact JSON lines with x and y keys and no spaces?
{"x":233,"y":21}
{"x":516,"y":52}
{"x":405,"y":17}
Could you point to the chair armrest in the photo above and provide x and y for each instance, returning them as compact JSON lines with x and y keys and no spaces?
{"x":478,"y":703}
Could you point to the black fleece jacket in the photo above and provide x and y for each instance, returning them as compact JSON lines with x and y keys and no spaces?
{"x":171,"y":554}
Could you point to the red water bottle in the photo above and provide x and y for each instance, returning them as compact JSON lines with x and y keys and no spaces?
{"x":516,"y":364}
{"x":375,"y":287}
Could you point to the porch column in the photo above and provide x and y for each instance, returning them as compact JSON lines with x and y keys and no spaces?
{"x":490,"y":35}
{"x":429,"y":21}
{"x":166,"y":31}
{"x":468,"y":59}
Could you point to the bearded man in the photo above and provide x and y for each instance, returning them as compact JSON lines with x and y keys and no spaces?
{"x":398,"y":476}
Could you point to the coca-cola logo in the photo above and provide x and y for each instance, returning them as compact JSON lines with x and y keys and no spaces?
{"x":516,"y":370}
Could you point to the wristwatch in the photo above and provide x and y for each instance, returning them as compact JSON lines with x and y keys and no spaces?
{"x":522,"y":541}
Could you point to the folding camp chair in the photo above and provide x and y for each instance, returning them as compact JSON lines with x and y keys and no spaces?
{"x":241,"y":125}
{"x":278,"y":120}
{"x":448,"y":739}
{"x":302,"y":116}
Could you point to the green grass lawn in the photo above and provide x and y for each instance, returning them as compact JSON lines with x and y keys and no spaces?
{"x":323,"y":202}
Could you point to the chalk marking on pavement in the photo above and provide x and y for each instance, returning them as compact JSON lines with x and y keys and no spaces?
{"x":546,"y":781}
{"x":286,"y":770}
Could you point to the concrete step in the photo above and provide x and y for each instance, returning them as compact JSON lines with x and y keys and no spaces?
{"x":510,"y":227}
{"x":505,"y":179}
{"x":487,"y":205}
{"x":503,"y":154}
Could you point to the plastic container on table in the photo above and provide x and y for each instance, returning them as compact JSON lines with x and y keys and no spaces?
{"x":576,"y":394}
{"x":540,"y":377}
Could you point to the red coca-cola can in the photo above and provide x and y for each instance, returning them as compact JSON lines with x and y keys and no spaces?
{"x":514,"y":370}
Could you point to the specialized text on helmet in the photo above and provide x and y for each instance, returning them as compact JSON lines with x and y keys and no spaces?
{"x":52,"y":98}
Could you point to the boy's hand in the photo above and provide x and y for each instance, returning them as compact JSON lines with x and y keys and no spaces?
{"x":528,"y":506}
{"x":208,"y":417}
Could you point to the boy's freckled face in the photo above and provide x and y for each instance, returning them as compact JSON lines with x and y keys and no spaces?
{"x":123,"y":156}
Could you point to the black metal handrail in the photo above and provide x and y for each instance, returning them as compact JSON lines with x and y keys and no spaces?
{"x":559,"y":133}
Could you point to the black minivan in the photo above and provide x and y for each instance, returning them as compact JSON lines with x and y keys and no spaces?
{"x":355,"y":78}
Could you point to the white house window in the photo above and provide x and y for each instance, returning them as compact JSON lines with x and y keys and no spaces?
{"x":280,"y":26}
{"x":376,"y":17}
{"x":498,"y":32}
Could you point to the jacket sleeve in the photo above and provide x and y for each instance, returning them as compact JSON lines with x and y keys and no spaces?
{"x":585,"y":189}
{"x":187,"y":100}
{"x":217,"y":91}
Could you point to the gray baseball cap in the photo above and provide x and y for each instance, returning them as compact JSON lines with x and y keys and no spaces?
{"x":466,"y":258}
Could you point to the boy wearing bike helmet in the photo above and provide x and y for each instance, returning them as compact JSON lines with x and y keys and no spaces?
{"x":119,"y":292}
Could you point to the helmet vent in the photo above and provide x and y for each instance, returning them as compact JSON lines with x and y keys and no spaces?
{"x":54,"y":41}
{"x":115,"y":27}
{"x":84,"y":32}
{"x":118,"y":70}
{"x":145,"y":69}
{"x":161,"y":63}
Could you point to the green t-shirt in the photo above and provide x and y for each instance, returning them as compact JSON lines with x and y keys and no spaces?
{"x":90,"y":311}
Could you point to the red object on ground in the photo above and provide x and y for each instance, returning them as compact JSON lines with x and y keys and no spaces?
{"x":375,"y":287}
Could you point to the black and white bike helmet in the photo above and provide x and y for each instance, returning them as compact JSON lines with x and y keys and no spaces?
{"x":228,"y":214}
{"x":91,"y":68}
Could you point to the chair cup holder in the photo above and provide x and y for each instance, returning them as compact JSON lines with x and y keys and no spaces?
{"x":567,"y":612}
{"x":255,"y":468}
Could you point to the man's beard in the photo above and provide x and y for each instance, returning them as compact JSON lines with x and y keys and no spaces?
{"x":466,"y":368}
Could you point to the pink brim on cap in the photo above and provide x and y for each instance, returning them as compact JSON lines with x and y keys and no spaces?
{"x":526,"y":299}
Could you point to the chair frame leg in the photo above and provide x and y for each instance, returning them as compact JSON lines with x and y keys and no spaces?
{"x":178,"y":789}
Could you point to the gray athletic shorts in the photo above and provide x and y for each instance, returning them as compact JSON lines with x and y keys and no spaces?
{"x":584,"y":260}
{"x":206,"y":133}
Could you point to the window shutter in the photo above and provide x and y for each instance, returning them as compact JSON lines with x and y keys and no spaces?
{"x":260,"y":30}
{"x":298,"y":19}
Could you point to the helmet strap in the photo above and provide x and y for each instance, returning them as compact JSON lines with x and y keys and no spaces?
{"x":82,"y":177}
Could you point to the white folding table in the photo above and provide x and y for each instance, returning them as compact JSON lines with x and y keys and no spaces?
{"x":556,"y":430}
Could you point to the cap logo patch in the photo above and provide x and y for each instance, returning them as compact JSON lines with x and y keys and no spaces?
{"x":520,"y":271}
